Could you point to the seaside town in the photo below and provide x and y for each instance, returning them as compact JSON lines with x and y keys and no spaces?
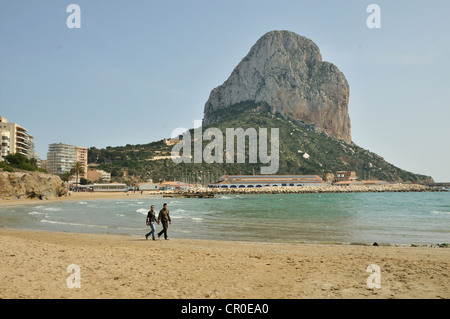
{"x":224,"y":158}
{"x":72,"y":161}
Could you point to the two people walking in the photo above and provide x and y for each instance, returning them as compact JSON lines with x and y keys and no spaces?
{"x":163,"y":217}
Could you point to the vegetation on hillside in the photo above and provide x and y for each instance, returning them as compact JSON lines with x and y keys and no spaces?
{"x":302,"y":150}
{"x":19,"y":161}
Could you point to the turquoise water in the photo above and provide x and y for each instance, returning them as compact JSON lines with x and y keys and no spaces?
{"x":396,"y":218}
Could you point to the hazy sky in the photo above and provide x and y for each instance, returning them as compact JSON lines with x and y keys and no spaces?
{"x":136,"y":70}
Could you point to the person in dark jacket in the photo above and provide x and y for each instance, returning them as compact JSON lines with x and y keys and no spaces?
{"x":164,"y":217}
{"x":150,"y":221}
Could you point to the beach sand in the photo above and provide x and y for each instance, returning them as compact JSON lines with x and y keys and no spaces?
{"x":33,"y":264}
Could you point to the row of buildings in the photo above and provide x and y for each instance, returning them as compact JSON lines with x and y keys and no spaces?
{"x":60,"y":157}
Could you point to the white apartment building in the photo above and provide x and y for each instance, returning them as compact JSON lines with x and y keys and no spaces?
{"x":5,"y":144}
{"x":15,"y":139}
{"x":61,"y":158}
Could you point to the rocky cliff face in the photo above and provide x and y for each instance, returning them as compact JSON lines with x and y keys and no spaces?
{"x":21,"y":185}
{"x":285,"y":71}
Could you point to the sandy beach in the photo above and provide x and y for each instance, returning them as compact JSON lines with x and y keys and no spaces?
{"x":33,"y":264}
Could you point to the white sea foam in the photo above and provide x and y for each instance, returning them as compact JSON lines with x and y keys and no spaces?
{"x":82,"y":203}
{"x":52,"y":209}
{"x":143,"y":211}
{"x":72,"y":224}
{"x":438,"y":212}
{"x":36,"y":213}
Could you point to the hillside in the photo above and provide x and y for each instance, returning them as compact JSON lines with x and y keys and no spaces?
{"x":302,"y":151}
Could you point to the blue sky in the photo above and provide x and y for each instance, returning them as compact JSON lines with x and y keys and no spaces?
{"x":136,"y":70}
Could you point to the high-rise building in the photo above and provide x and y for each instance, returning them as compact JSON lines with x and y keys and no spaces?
{"x":15,"y":139}
{"x":61,"y":158}
{"x":82,"y":157}
{"x":5,"y":144}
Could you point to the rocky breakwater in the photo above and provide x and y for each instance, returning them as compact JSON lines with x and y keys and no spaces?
{"x":320,"y":189}
{"x":30,"y":185}
{"x":285,"y":71}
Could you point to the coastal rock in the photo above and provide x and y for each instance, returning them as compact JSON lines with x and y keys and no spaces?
{"x":285,"y":71}
{"x":381,"y":188}
{"x":22,"y":185}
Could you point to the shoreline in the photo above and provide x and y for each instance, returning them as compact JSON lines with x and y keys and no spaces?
{"x":221,"y":191}
{"x":33,"y":264}
{"x":87,"y":196}
{"x":76,"y":197}
{"x":250,"y":241}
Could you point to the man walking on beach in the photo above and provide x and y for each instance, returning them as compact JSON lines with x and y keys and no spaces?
{"x":164,"y":217}
{"x":151,"y":219}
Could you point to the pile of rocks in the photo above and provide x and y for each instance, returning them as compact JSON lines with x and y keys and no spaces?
{"x":320,"y":189}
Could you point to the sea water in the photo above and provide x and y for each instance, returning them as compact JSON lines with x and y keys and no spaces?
{"x":390,"y":218}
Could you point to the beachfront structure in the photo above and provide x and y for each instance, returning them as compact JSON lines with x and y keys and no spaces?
{"x":173,"y":185}
{"x":112,"y":187}
{"x":345,"y":176}
{"x":251,"y":181}
{"x":98,"y":174}
{"x":61,"y":158}
{"x":360,"y":183}
{"x":15,"y":139}
{"x":147,"y":186}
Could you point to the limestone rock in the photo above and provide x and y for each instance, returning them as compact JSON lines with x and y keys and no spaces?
{"x":285,"y":71}
{"x":22,"y":185}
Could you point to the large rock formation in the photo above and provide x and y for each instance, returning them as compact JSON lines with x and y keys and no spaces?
{"x":22,"y":185}
{"x":285,"y":71}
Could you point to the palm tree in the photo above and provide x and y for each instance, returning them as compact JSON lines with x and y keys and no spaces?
{"x":77,"y":169}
